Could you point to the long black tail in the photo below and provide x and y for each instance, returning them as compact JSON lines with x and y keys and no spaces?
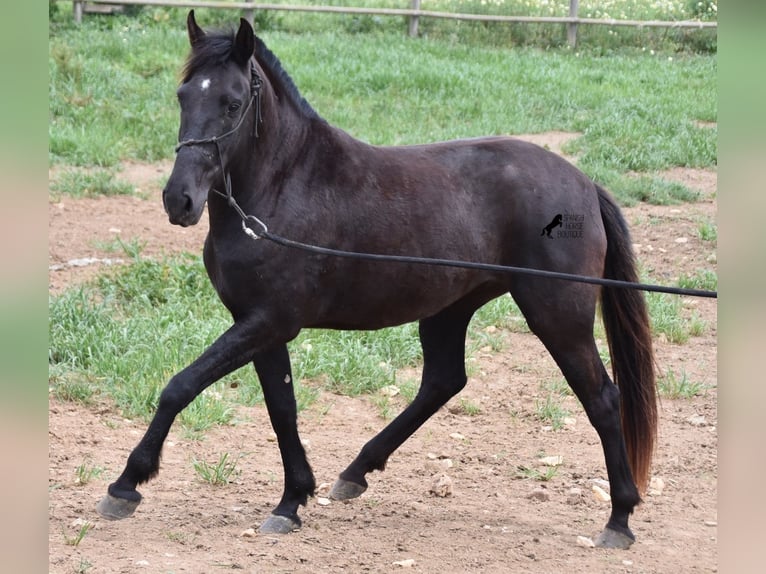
{"x":630,"y":344}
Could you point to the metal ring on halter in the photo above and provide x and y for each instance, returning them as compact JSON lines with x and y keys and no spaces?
{"x":250,"y":232}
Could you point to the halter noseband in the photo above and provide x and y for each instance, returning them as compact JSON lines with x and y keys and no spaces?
{"x":256,"y":83}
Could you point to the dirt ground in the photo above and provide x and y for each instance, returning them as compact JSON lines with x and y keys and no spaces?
{"x":496,"y":518}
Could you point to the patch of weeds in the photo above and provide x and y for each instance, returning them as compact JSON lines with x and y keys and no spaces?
{"x":131,"y":248}
{"x":468,"y":407}
{"x":382,"y":402}
{"x":528,"y":472}
{"x":702,"y":279}
{"x":550,"y":411}
{"x":205,"y":412}
{"x":668,"y":318}
{"x":83,"y":566}
{"x":90,"y":183}
{"x":674,"y":386}
{"x":85,"y":472}
{"x":408,"y":389}
{"x":73,"y":388}
{"x":501,"y":313}
{"x":557,"y":386}
{"x":654,"y":190}
{"x":305,"y":396}
{"x":487,"y":339}
{"x":657,"y":191}
{"x":708,"y":231}
{"x":219,"y":473}
{"x":354,"y":362}
{"x":79,"y":535}
{"x":179,"y":537}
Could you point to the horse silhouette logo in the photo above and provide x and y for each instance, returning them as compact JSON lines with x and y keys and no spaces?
{"x":556,"y":222}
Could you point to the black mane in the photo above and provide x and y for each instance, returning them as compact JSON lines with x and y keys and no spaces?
{"x":273,"y":66}
{"x":216,"y":49}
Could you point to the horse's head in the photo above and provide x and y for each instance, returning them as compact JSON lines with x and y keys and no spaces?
{"x":218,"y":112}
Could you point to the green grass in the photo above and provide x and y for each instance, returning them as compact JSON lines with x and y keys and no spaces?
{"x":79,"y":535}
{"x":132,"y":330}
{"x":702,"y":279}
{"x":354,"y":363}
{"x":550,"y":411}
{"x":205,"y":412}
{"x":674,"y":386}
{"x":85,"y":472}
{"x":466,"y":407}
{"x":528,"y":472}
{"x":708,"y":231}
{"x":132,"y":247}
{"x":99,"y":182}
{"x":219,"y":473}
{"x":75,"y":387}
{"x":671,"y":319}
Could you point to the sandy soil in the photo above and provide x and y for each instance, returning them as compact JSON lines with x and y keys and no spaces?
{"x":495,"y":520}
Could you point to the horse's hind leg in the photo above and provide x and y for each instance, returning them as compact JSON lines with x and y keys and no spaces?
{"x":562,"y":316}
{"x":443,"y":339}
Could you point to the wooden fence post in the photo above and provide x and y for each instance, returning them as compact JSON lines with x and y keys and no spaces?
{"x":414,"y":20}
{"x":77,"y":9}
{"x":574,"y":6}
{"x":249,"y":15}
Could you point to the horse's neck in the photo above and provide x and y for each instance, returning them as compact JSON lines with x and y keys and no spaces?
{"x":266,"y":160}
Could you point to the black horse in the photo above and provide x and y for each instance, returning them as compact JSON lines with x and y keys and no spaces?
{"x":255,"y":151}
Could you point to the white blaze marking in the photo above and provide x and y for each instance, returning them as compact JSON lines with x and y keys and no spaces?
{"x":205,"y":84}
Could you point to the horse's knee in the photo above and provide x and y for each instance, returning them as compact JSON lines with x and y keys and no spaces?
{"x":174,"y":397}
{"x":604,"y":406}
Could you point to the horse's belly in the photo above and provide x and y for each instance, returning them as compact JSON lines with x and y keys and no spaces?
{"x":403,"y":297}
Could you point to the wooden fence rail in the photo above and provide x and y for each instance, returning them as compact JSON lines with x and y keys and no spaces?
{"x":414,"y":14}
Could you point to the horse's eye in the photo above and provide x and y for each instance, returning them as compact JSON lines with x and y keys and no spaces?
{"x":233,"y":107}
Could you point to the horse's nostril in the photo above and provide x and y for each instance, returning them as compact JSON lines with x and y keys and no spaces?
{"x":188,"y":204}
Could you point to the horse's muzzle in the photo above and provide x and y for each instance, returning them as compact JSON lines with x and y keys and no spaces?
{"x":181,"y":207}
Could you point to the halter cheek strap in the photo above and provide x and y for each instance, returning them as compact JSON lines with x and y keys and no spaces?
{"x":256,"y":83}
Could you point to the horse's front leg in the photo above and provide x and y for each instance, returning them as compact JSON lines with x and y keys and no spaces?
{"x":273,"y":368}
{"x":232,"y":350}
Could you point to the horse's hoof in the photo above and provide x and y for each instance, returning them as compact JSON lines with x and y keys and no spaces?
{"x":276,"y":524}
{"x":612,"y":539}
{"x":345,"y":490}
{"x":113,"y":508}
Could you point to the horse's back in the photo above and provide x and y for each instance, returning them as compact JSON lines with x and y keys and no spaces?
{"x":505,"y":192}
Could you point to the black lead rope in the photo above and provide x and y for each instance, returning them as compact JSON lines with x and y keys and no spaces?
{"x":266,"y":234}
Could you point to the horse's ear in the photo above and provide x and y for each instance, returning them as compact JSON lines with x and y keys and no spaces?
{"x":244,"y":44}
{"x":195,"y":32}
